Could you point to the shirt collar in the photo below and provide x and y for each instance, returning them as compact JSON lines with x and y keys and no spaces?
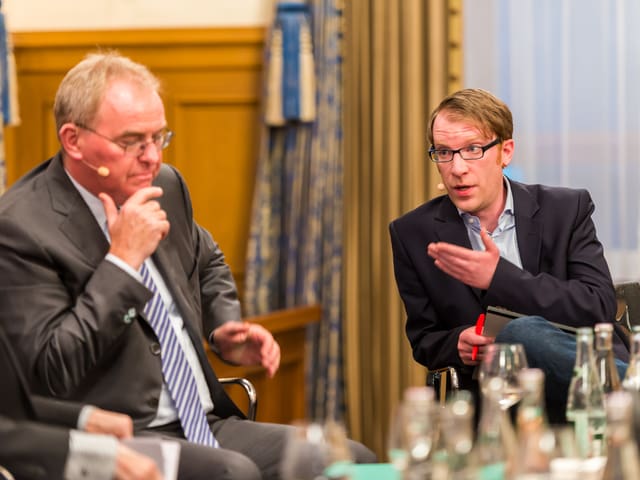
{"x":508,"y":205}
{"x":93,"y":202}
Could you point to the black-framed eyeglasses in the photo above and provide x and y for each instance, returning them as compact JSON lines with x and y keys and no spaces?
{"x":470,"y":152}
{"x":134,"y":145}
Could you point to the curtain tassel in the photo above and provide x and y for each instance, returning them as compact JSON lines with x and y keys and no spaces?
{"x":291,"y":81}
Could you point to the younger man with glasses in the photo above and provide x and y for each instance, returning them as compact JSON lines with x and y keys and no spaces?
{"x":491,"y":241}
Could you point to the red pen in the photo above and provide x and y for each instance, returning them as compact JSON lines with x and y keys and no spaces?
{"x":479,"y":328}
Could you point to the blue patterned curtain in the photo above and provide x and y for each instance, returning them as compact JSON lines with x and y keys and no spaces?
{"x":295,"y":246}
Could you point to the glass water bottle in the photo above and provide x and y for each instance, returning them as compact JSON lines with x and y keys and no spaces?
{"x":622,"y":453}
{"x":605,"y":362}
{"x":535,"y":440}
{"x":631,"y":380}
{"x":585,"y":400}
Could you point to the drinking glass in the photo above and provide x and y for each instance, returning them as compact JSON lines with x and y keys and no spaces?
{"x":565,"y":458}
{"x":503,"y":360}
{"x":411,"y":436}
{"x":316,"y":451}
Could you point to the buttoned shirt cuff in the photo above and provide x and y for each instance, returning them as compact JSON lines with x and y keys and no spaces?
{"x":91,"y":456}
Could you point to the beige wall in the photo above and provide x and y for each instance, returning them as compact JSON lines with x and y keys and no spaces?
{"x":38,"y":15}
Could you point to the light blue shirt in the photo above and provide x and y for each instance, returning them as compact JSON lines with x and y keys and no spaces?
{"x":167,"y":411}
{"x":504,"y":235}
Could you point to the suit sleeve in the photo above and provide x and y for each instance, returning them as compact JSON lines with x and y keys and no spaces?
{"x":56,"y":412}
{"x":32,"y":450}
{"x":62,"y":328}
{"x":219,"y":294}
{"x":217,"y":291}
{"x":65,"y":308}
{"x":573,"y":285}
{"x":434,"y":341}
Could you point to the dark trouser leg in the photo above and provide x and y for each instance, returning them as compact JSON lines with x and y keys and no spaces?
{"x":198,"y":462}
{"x":248,"y":450}
{"x":264,"y":443}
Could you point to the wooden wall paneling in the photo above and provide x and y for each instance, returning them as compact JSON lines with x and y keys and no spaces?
{"x":220,"y":173}
{"x":35,"y":139}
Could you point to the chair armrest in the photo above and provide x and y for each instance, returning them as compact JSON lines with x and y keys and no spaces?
{"x":628,"y":296}
{"x":249,"y":390}
{"x":443,"y":380}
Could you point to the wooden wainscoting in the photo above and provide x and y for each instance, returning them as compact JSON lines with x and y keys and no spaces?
{"x":211,"y":80}
{"x":280,"y":399}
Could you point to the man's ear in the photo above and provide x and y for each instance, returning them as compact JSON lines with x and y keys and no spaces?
{"x":507,"y":152}
{"x":70,"y":140}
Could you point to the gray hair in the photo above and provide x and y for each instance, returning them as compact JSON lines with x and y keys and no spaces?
{"x":82,"y":89}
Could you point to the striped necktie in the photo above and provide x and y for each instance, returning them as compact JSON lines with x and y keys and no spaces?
{"x":177,"y":372}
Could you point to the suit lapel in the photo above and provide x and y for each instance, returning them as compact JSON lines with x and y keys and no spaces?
{"x":528,"y":228}
{"x":77,"y":223}
{"x":450,"y":228}
{"x":79,"y":226}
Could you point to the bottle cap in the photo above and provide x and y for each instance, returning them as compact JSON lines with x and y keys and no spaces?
{"x":584,"y":331}
{"x":618,"y":405}
{"x":604,"y":327}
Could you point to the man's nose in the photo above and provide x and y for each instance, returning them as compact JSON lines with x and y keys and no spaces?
{"x":150,"y":152}
{"x":458,"y":164}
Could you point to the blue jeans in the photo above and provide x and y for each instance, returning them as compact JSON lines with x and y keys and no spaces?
{"x":552,"y":350}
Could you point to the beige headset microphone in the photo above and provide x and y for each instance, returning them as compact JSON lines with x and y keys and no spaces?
{"x":101,"y":170}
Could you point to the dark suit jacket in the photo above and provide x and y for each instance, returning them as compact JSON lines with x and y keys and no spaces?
{"x":564,"y":278}
{"x":77,"y":320}
{"x":30,"y":447}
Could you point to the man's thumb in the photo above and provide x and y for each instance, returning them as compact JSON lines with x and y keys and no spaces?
{"x":110,"y":208}
{"x":489,"y":244}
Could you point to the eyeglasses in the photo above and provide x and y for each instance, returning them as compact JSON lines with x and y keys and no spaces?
{"x":470,"y":152}
{"x":133,"y":145}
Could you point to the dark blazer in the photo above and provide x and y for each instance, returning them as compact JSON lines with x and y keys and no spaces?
{"x":565,"y":277}
{"x":77,"y":320}
{"x":30,"y":447}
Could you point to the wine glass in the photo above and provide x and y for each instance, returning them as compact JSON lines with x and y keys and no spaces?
{"x":503,"y":360}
